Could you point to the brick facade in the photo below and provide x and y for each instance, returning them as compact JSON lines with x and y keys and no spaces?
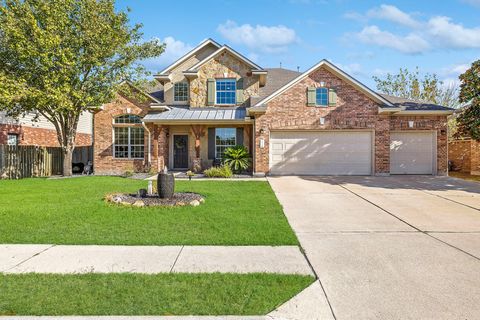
{"x":353,"y":111}
{"x":39,"y":136}
{"x":465,"y":155}
{"x":104,"y":162}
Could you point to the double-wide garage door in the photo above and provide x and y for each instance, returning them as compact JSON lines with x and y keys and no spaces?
{"x":321,"y":153}
{"x":348,"y":152}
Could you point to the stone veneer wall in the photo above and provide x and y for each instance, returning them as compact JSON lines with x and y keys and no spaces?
{"x":354,"y":111}
{"x":39,"y":136}
{"x":223,"y":66}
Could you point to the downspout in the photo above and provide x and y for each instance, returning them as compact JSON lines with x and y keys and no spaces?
{"x":149,"y":155}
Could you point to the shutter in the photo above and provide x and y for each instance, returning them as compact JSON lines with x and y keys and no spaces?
{"x":210,"y":92}
{"x":239,"y":92}
{"x":240,"y":136}
{"x":311,"y":97}
{"x":332,"y":97}
{"x":211,"y":143}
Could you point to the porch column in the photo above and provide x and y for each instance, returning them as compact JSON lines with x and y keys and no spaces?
{"x":160,"y":147}
{"x":198,"y":132}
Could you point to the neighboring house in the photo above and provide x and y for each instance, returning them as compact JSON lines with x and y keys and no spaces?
{"x":29,"y":130}
{"x":321,"y":121}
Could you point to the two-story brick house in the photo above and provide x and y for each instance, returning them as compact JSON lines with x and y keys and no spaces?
{"x":321,"y":121}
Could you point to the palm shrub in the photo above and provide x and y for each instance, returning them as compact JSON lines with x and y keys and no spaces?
{"x":237,"y":158}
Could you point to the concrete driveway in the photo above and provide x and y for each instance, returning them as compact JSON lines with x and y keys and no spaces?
{"x":405,"y":247}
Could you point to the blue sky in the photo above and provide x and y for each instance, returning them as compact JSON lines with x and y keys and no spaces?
{"x":364,"y":38}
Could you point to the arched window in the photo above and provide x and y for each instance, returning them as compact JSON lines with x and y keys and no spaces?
{"x":128,"y":118}
{"x":128,"y":140}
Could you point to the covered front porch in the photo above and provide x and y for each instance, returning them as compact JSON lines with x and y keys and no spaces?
{"x":193,"y":139}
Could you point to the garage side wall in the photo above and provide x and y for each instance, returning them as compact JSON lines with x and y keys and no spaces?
{"x":353,"y":111}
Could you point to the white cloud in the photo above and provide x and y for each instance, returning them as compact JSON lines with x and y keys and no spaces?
{"x":269,"y":39}
{"x":438,"y":32}
{"x":411,"y":43}
{"x":392,"y":13}
{"x":174,"y":50}
{"x":451,"y":35}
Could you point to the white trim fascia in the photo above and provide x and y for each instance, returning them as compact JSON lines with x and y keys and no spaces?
{"x":423,"y":112}
{"x":220,"y":50}
{"x":202,"y":44}
{"x":337,"y":70}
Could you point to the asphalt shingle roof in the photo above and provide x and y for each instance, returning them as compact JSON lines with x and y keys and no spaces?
{"x":414,"y":105}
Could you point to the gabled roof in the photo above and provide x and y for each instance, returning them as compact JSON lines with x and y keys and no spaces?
{"x":146,"y":94}
{"x":202,"y":45}
{"x":324,"y":63}
{"x":219,"y":51}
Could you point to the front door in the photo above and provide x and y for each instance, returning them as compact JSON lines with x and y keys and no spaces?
{"x":180,"y":151}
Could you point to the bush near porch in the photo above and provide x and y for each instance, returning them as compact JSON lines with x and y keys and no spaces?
{"x":72,"y":211}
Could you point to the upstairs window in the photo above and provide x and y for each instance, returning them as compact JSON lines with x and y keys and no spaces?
{"x":322,"y":96}
{"x":128,"y":140}
{"x":225,"y":91}
{"x":180,"y":92}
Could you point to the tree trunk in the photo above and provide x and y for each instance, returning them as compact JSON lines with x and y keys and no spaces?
{"x":67,"y":161}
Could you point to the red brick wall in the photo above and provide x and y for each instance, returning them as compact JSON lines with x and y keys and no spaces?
{"x":39,"y":136}
{"x":104,"y":162}
{"x":354,"y":110}
{"x":475,"y":163}
{"x":459,"y":152}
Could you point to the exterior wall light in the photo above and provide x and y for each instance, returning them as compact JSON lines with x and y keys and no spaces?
{"x":322,"y":121}
{"x":129,"y":110}
{"x":410,"y":124}
{"x":262,"y":143}
{"x":322,"y":84}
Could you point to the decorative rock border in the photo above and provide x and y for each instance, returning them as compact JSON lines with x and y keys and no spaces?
{"x":152,"y":200}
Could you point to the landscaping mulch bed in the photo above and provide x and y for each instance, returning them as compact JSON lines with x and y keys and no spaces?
{"x":178,"y":199}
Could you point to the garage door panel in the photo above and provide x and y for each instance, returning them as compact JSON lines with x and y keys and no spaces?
{"x":323,"y":153}
{"x":412,"y":152}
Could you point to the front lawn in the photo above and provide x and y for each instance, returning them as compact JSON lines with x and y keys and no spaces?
{"x":140,"y":294}
{"x":72,"y":211}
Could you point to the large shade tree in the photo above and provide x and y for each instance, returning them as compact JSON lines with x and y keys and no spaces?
{"x":58,"y":58}
{"x":468,"y":121}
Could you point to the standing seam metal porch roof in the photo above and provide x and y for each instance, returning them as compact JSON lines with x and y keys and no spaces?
{"x":195,"y":114}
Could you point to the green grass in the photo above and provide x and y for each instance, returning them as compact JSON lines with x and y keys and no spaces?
{"x":140,"y":294}
{"x":72,"y":211}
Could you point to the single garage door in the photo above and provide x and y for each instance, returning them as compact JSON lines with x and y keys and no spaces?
{"x":321,"y":153}
{"x":412,"y":152}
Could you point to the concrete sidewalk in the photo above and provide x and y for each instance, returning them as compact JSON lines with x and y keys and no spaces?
{"x":18,"y":258}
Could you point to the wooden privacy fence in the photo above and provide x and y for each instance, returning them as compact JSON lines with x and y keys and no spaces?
{"x":18,"y":162}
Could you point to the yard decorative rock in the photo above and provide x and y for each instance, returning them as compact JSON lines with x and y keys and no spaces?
{"x":177,"y":200}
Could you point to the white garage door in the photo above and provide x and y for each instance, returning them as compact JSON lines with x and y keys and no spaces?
{"x":412,"y":152}
{"x":321,"y":153}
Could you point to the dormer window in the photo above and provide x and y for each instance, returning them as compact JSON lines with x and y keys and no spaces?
{"x":321,"y":96}
{"x":226,"y":91}
{"x":180,"y":92}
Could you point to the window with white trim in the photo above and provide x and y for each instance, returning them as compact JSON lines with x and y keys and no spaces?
{"x":180,"y":92}
{"x":322,"y":96}
{"x":226,"y":91}
{"x":224,"y":138}
{"x":12,"y":139}
{"x":128,"y":140}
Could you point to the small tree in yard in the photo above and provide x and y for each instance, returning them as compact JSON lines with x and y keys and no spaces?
{"x":468,"y":121}
{"x":58,"y":58}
